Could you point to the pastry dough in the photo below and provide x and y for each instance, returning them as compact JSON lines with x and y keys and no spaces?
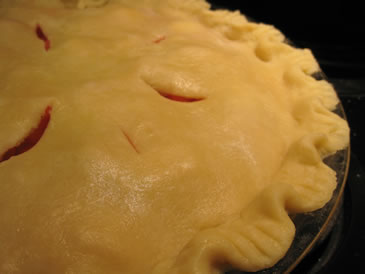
{"x":155,"y":136}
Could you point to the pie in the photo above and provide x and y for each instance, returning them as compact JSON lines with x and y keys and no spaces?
{"x":155,"y":136}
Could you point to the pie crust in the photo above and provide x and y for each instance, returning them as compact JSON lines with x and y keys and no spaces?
{"x":155,"y":136}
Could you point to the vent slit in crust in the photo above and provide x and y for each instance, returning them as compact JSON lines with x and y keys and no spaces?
{"x":31,"y":139}
{"x":130,"y":141}
{"x":179,"y":98}
{"x":160,"y":39}
{"x":172,"y":96}
{"x":41,"y":35}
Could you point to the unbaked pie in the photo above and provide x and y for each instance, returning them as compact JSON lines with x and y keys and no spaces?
{"x":155,"y":136}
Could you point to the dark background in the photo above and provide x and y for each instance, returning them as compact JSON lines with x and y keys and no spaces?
{"x":334,"y":31}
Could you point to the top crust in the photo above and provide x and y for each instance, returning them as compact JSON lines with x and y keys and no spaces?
{"x":180,"y":138}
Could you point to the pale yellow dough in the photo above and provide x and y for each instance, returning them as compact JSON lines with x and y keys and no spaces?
{"x":124,"y":180}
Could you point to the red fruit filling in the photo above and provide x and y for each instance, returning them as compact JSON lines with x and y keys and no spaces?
{"x":42,"y":36}
{"x":31,"y":139}
{"x":179,"y":98}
